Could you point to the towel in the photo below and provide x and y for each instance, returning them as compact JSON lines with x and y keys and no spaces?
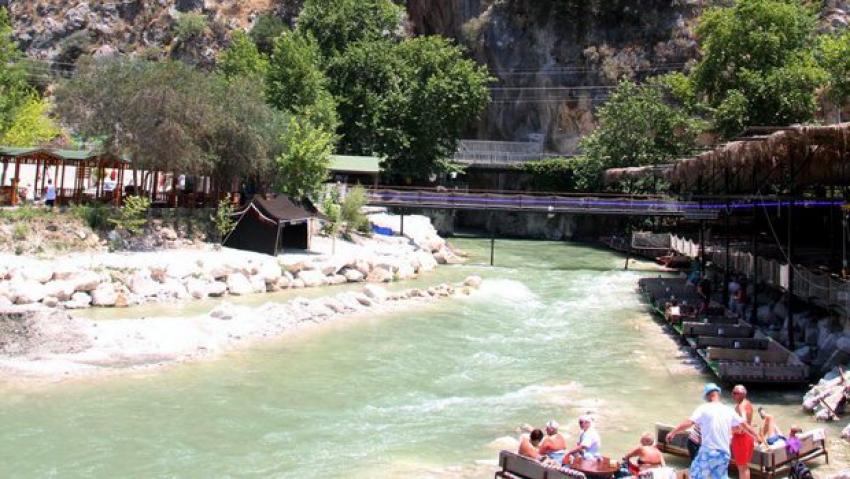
{"x":818,"y":434}
{"x":658,"y":473}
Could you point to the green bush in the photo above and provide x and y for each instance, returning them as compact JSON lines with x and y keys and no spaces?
{"x":96,"y":216}
{"x":350,"y":210}
{"x":20,"y":231}
{"x":133,"y":215}
{"x":190,"y":25}
{"x":223,"y":219}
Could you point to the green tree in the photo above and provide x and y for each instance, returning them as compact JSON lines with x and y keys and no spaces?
{"x":265,"y":31}
{"x":335,"y":24}
{"x":551,"y":174}
{"x":295,"y":83}
{"x":834,"y":56}
{"x":302,"y":168}
{"x":31,"y":125}
{"x":759,"y":51}
{"x":242,"y":58}
{"x":14,"y":90}
{"x":190,"y":25}
{"x":132,"y":216}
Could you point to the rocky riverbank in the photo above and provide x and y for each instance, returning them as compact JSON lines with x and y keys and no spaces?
{"x":103,"y":279}
{"x":39,"y":342}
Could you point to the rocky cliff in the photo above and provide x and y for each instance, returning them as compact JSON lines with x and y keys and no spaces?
{"x":555,"y":61}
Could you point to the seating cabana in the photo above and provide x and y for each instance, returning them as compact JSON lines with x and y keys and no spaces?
{"x":351,"y":170}
{"x":59,"y":164}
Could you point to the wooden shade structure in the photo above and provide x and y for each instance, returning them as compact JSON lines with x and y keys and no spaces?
{"x":56,"y":161}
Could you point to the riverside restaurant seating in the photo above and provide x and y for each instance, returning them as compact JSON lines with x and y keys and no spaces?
{"x":767,"y":464}
{"x":514,"y":466}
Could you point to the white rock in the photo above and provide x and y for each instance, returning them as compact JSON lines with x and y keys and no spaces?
{"x":79,"y":300}
{"x":405,"y":271}
{"x":180,"y":269}
{"x":258,"y":284}
{"x":197,"y":289}
{"x":104,"y":295}
{"x":86,"y":281}
{"x":473,"y":281}
{"x":217,"y":288}
{"x":337,"y":279}
{"x":172,"y":288}
{"x":312,"y":278}
{"x":27,"y":292}
{"x":60,"y":289}
{"x":269,"y":271}
{"x":40,"y":272}
{"x":364,"y":300}
{"x":238,"y":284}
{"x":297,"y":283}
{"x":63,"y":272}
{"x":353,"y":275}
{"x":426,"y":261}
{"x":284,"y":282}
{"x":50,"y":301}
{"x":363,"y":266}
{"x":4,"y":302}
{"x":376,"y":293}
{"x":142,"y":284}
{"x":379,"y":275}
{"x":223,"y":312}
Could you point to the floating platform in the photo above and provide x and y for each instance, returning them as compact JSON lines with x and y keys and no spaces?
{"x":731,"y":348}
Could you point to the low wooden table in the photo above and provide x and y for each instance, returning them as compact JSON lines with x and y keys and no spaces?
{"x":593,"y":467}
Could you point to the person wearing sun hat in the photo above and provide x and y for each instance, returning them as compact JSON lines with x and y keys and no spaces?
{"x":589,"y":440}
{"x":554,"y":444}
{"x":715,"y":421}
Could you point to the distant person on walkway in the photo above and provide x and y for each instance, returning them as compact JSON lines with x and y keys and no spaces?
{"x":528,"y":444}
{"x":589,"y":441}
{"x":49,"y":194}
{"x":743,"y":444}
{"x":648,"y":456}
{"x":716,"y":422}
{"x":554,"y":445}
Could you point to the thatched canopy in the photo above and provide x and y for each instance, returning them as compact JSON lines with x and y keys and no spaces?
{"x":811,"y":155}
{"x":615,"y":176}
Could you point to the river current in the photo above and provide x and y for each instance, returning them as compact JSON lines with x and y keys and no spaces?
{"x":556,"y":330}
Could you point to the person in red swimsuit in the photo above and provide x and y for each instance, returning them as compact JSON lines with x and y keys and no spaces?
{"x":743,"y":443}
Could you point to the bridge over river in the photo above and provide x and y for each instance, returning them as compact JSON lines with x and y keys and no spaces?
{"x":591,"y":204}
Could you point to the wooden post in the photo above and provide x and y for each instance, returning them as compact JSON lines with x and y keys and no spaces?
{"x":62,"y":183}
{"x":37,"y":171}
{"x":755,"y":276}
{"x":155,"y":186}
{"x":726,"y":227}
{"x":16,"y":181}
{"x":492,"y":240}
{"x":401,"y":233}
{"x":629,"y":244}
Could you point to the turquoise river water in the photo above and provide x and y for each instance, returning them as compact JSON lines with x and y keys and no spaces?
{"x":556,"y":330}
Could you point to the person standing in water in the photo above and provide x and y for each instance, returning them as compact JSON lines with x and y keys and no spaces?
{"x":743,"y":444}
{"x":716,"y":422}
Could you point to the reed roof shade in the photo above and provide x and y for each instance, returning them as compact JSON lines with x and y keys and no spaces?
{"x":811,"y":155}
{"x":25,"y":153}
{"x":618,"y":175}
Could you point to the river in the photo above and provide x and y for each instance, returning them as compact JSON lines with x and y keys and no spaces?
{"x":556,"y":330}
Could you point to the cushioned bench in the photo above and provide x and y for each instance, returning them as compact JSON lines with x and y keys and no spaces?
{"x":514,"y":466}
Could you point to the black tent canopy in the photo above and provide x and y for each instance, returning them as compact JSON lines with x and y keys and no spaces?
{"x":269,"y":224}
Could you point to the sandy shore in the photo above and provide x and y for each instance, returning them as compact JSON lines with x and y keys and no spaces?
{"x":50,"y":345}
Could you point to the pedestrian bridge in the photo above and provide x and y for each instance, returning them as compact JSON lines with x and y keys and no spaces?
{"x":590,"y":204}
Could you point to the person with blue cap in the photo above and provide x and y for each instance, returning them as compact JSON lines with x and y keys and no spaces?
{"x":716,"y":422}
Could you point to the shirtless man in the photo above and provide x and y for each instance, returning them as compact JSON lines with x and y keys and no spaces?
{"x":528,"y":444}
{"x":648,"y":456}
{"x":554,"y":445}
{"x":743,"y":444}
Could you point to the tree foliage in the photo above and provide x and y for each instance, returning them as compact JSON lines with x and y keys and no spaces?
{"x":31,"y":125}
{"x":336,"y":24}
{"x":14,"y":90}
{"x":302,"y":167}
{"x":265,"y":31}
{"x":168,"y":116}
{"x":758,"y":51}
{"x":834,"y":56}
{"x":551,"y":174}
{"x":241,"y":58}
{"x":132,"y":216}
{"x":295,"y":81}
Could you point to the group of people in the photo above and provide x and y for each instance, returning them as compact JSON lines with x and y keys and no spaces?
{"x":719,"y":434}
{"x":551,"y":447}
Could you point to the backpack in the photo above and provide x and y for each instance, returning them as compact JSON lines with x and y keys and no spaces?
{"x":800,"y":471}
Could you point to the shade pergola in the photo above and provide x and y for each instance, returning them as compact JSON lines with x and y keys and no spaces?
{"x":83,"y":161}
{"x":356,"y":167}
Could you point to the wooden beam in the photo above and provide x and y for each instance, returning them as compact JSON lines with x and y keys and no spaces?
{"x":16,"y":181}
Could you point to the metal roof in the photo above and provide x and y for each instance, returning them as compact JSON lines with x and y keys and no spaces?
{"x":69,"y":155}
{"x":356,"y":164}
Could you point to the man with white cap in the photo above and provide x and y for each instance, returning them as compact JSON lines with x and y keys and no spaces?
{"x":554,"y":445}
{"x":589,"y":441}
{"x":716,"y":422}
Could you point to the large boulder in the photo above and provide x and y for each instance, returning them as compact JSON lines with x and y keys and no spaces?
{"x":86,"y":281}
{"x":379,"y":275}
{"x":104,"y":295}
{"x":405,"y":271}
{"x":63,"y":272}
{"x":217,"y":289}
{"x":180,"y":269}
{"x":141,"y":283}
{"x":60,"y":289}
{"x":238,"y":284}
{"x":269,"y":271}
{"x":197,"y":289}
{"x":41,"y":273}
{"x":258,"y":284}
{"x":375,"y":293}
{"x":27,"y":292}
{"x":473,"y":281}
{"x":312,"y":278}
{"x":353,"y":275}
{"x":79,"y":300}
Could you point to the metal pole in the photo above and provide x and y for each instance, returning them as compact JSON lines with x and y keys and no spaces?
{"x":492,"y":241}
{"x":726,"y":261}
{"x":790,"y":292}
{"x":755,"y":275}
